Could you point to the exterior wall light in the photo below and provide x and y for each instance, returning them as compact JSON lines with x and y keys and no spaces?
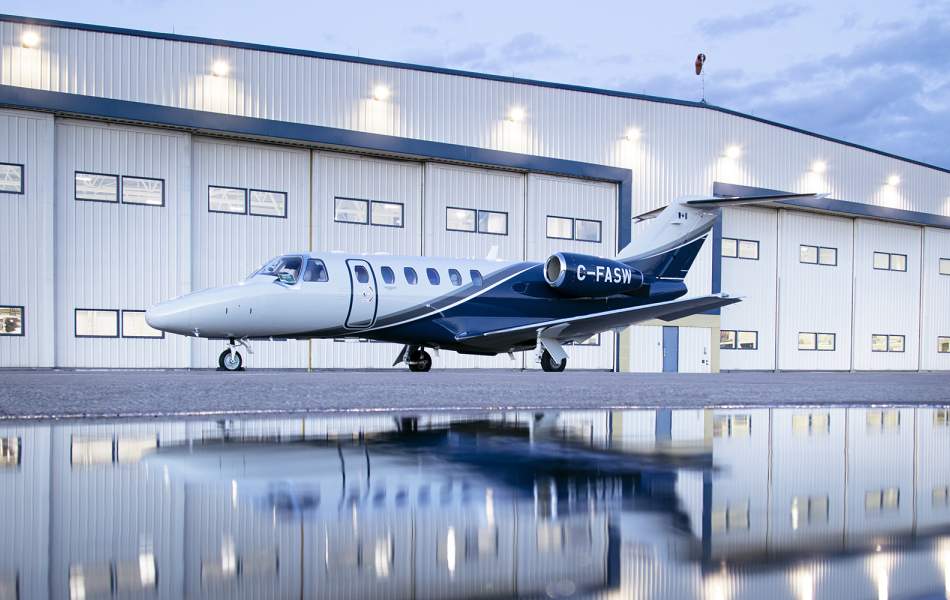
{"x":220,"y":68}
{"x":733,"y":152}
{"x":516,"y":114}
{"x":30,"y":39}
{"x":632,"y":134}
{"x":381,"y":93}
{"x":819,"y":166}
{"x":894,"y":180}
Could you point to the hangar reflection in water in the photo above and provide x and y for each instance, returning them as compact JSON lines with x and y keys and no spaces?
{"x":789,"y":502}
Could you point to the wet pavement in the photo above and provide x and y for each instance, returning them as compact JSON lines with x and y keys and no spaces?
{"x":671,"y":502}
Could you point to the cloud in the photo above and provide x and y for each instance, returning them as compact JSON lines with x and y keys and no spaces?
{"x":762,"y":19}
{"x":530,"y":47}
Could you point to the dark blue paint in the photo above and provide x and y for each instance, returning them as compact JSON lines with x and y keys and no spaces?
{"x":444,"y":71}
{"x":671,"y":349}
{"x":184,"y":118}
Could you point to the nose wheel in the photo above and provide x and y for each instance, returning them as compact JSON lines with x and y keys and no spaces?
{"x":231,"y":359}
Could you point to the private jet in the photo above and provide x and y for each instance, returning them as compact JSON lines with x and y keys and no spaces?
{"x":480,"y":307}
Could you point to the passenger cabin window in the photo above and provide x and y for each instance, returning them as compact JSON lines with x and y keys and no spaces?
{"x":433,"y":276}
{"x":455,"y":277}
{"x":411,"y":277}
{"x":389,"y":278}
{"x":476,"y":277}
{"x":315,"y":271}
{"x":362,"y":275}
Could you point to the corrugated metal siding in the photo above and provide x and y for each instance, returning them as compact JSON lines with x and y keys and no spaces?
{"x":935,"y":299}
{"x":351,"y":176}
{"x":120,"y":256}
{"x":694,"y":352}
{"x":805,"y":287}
{"x":464,"y":187}
{"x":228,"y":247}
{"x":886,"y":302}
{"x":578,"y":199}
{"x":26,"y":238}
{"x":646,"y":349}
{"x":754,"y":280}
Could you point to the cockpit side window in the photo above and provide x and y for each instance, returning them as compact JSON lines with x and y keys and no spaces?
{"x":315,"y":271}
{"x":290,"y":265}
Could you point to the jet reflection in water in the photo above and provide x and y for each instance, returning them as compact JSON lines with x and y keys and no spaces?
{"x":746,"y":503}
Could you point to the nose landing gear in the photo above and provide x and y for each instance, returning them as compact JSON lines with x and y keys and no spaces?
{"x":231,"y":359}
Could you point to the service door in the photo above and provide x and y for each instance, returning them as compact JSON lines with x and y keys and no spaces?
{"x":363,"y":297}
{"x":671,"y":349}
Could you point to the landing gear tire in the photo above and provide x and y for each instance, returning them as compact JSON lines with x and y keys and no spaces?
{"x":549,"y":366}
{"x":419,"y":361}
{"x":229,"y":361}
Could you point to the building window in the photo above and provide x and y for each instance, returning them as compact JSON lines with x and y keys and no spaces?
{"x":455,"y":277}
{"x":96,"y":187}
{"x":811,"y":424}
{"x":816,"y":341}
{"x":878,"y":501}
{"x":350,"y":210}
{"x":386,"y":214}
{"x":316,"y":271}
{"x":885,"y":261}
{"x":731,"y":339}
{"x":732,"y":426}
{"x":887,"y":343}
{"x":495,"y":223}
{"x":90,"y":451}
{"x":808,"y":510}
{"x":881,"y":420}
{"x":940,"y":497}
{"x":411,"y":277}
{"x":227,"y":200}
{"x":11,"y":320}
{"x":818,"y":255}
{"x":460,"y":219}
{"x":736,"y":248}
{"x":11,"y":178}
{"x":143,"y":190}
{"x":566,"y":228}
{"x":268,"y":204}
{"x":560,"y":228}
{"x":389,"y":278}
{"x":9,"y":453}
{"x":945,"y":266}
{"x":96,"y":323}
{"x":943,"y":343}
{"x":433,"y":276}
{"x":732,"y":517}
{"x":135,"y":326}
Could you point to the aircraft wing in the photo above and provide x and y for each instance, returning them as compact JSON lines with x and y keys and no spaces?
{"x":583,"y":326}
{"x":726,"y":201}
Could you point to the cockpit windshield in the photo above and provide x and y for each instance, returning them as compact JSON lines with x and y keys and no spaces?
{"x":289,"y":265}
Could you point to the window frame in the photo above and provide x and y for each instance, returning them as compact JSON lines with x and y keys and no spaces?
{"x":22,"y":168}
{"x":887,"y":342}
{"x":738,"y":245}
{"x":600,"y":231}
{"x":810,"y":247}
{"x":818,"y":250}
{"x":118,"y":324}
{"x":118,"y":187}
{"x":943,"y":337}
{"x":940,"y":263}
{"x":736,"y":333}
{"x":554,"y":237}
{"x":228,"y":212}
{"x":890,"y":261}
{"x":364,"y":201}
{"x":134,"y":337}
{"x":122,"y":191}
{"x":824,"y":264}
{"x":250,"y":210}
{"x":306,"y":263}
{"x":478,"y":223}
{"x":22,"y":321}
{"x":474,"y":211}
{"x":817,"y":347}
{"x":402,"y":213}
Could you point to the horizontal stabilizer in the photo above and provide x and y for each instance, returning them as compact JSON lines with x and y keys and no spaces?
{"x":726,"y":202}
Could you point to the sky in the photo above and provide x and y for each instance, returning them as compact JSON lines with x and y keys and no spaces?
{"x":872,"y":72}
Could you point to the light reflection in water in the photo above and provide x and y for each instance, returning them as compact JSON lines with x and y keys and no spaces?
{"x":802,"y":503}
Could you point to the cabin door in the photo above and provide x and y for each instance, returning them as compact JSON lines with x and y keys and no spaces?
{"x":363,"y":296}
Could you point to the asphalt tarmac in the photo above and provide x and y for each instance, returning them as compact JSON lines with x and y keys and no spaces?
{"x":49,"y":394}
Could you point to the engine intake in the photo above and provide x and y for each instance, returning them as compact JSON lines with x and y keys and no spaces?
{"x":585,"y":276}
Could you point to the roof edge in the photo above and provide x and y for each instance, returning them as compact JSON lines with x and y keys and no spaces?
{"x":447,"y":71}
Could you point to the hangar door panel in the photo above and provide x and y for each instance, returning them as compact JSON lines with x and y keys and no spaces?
{"x":574,"y":215}
{"x":469,"y":211}
{"x":646,"y":349}
{"x":364,"y":205}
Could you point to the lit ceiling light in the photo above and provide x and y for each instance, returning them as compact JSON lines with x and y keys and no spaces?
{"x":733,"y":152}
{"x":819,"y":166}
{"x":632,"y":135}
{"x":894,"y":180}
{"x":516,"y":114}
{"x":30,"y":39}
{"x":220,"y":68}
{"x":381,"y":92}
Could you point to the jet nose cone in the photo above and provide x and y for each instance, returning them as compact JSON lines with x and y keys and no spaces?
{"x":168,"y":316}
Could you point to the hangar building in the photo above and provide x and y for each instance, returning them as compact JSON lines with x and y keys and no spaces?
{"x":137,"y":166}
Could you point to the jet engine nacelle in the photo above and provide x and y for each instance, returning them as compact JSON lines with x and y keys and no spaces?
{"x":585,"y":276}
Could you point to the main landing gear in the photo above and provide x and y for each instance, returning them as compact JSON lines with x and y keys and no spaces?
{"x":416,"y":358}
{"x":549,"y":365}
{"x":231,"y":359}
